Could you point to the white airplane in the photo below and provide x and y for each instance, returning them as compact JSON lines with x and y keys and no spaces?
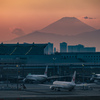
{"x":57,"y":85}
{"x":38,"y":78}
{"x":95,"y":78}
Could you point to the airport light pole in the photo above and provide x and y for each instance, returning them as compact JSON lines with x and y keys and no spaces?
{"x":83,"y":72}
{"x":17,"y":75}
{"x":54,"y":65}
{"x":7,"y":75}
{"x":58,"y":70}
{"x":91,"y":70}
{"x":23,"y":69}
{"x":1,"y":72}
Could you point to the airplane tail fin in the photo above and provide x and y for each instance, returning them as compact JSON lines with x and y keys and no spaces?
{"x":93,"y":77}
{"x":73,"y":78}
{"x":45,"y":73}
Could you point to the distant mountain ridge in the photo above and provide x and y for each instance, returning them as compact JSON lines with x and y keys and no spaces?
{"x":91,"y":38}
{"x":67,"y":26}
{"x":38,"y":37}
{"x":88,"y":38}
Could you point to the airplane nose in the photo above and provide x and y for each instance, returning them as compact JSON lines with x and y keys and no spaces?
{"x":51,"y":87}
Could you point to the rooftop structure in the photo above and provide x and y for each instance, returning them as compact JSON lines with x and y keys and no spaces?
{"x":63,"y":47}
{"x":80,"y":48}
{"x":22,"y":49}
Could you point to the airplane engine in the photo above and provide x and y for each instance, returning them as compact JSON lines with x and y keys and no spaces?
{"x":52,"y":87}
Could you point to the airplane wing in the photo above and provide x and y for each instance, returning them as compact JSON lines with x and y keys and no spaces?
{"x":85,"y":86}
{"x":57,"y":86}
{"x":57,"y":77}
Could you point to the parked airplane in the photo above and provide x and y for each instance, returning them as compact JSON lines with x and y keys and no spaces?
{"x":38,"y":78}
{"x":57,"y":85}
{"x":95,"y":78}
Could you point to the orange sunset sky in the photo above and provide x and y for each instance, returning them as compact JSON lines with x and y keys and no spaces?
{"x":31,"y":15}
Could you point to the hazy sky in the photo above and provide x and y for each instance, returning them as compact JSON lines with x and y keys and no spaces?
{"x":25,"y":16}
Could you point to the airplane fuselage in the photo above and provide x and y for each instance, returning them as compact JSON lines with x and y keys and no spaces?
{"x":36,"y":77}
{"x":57,"y":85}
{"x":64,"y":85}
{"x":32,"y":77}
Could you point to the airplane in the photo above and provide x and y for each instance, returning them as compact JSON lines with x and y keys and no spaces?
{"x":31,"y":78}
{"x":37,"y":78}
{"x":95,"y":78}
{"x":57,"y":85}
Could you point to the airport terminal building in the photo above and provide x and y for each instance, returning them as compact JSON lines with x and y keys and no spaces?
{"x":33,"y":58}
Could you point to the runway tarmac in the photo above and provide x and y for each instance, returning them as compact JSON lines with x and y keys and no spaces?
{"x":43,"y":92}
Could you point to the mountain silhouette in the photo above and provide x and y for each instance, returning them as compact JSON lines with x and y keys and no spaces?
{"x":67,"y":26}
{"x":38,"y":37}
{"x":91,"y":39}
{"x":87,"y":38}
